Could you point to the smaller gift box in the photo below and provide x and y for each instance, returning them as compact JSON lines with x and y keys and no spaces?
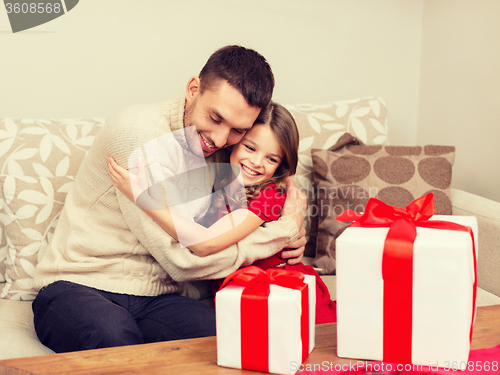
{"x":265,"y":319}
{"x":406,"y":284}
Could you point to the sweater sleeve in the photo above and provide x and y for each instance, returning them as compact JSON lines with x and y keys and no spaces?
{"x":182,"y":265}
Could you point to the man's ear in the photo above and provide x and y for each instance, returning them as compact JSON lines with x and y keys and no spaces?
{"x":192,"y":88}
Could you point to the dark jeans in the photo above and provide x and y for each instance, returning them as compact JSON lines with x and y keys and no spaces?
{"x":70,"y":317}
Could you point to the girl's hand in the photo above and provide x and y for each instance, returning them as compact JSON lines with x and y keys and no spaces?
{"x":121,"y":179}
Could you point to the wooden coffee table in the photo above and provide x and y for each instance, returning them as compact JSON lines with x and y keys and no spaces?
{"x":199,"y":356}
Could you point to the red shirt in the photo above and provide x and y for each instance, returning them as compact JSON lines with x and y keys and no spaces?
{"x":267,"y":204}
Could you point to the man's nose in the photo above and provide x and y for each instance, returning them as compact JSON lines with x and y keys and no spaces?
{"x":220,"y":137}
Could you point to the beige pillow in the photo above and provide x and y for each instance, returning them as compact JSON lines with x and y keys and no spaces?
{"x":320,"y":127}
{"x":347,"y":177}
{"x":39,"y":148}
{"x":32,"y":206}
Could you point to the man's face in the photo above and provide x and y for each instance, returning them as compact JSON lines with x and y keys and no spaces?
{"x":221,"y":115}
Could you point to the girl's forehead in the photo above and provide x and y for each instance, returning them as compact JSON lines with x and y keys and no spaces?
{"x":258,"y":129}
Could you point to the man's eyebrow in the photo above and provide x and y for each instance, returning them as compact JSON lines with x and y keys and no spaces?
{"x":221,"y":118}
{"x":216,"y":113}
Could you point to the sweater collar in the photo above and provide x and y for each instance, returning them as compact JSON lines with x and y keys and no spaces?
{"x":173,"y":111}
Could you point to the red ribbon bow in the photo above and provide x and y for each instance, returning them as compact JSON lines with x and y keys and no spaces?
{"x":255,"y":314}
{"x":397,"y":264}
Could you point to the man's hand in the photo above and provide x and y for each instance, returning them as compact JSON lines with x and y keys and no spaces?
{"x":295,"y":204}
{"x":294,"y":252}
{"x":295,"y":207}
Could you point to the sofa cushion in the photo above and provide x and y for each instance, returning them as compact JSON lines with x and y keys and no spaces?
{"x":320,"y":127}
{"x":346,"y":177}
{"x":32,"y":206}
{"x":32,"y":151}
{"x":18,"y":337}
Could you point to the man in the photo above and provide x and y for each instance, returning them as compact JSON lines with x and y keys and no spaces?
{"x":111,"y":276}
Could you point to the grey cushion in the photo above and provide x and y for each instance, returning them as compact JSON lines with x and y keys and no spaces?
{"x":18,"y":337}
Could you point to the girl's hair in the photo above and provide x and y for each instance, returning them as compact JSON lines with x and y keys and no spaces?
{"x":283,"y":126}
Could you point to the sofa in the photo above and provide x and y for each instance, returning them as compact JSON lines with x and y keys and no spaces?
{"x":39,"y":159}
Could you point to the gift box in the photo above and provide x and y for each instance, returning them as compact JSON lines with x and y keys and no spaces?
{"x":265,"y":320}
{"x":406,"y":285}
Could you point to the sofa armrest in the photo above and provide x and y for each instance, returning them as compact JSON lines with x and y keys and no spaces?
{"x":487,"y":213}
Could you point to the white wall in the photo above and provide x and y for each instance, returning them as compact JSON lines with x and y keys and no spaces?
{"x":460,"y":89}
{"x":106,"y":54}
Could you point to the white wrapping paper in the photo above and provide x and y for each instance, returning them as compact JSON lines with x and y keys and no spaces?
{"x":443,"y":277}
{"x":285,"y":343}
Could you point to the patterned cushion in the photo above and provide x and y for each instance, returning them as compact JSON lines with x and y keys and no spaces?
{"x":32,"y":206}
{"x":37,"y":157}
{"x":320,"y":127}
{"x":348,"y":177}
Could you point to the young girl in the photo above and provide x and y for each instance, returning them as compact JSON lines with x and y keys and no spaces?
{"x":266,"y":156}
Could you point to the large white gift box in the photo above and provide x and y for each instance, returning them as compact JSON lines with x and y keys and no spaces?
{"x":442,"y":294}
{"x":277,"y":345}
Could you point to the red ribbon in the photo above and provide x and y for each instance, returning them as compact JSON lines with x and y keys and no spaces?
{"x":255,"y":313}
{"x":397,"y":265}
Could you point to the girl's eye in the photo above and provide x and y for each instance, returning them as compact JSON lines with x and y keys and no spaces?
{"x":250,"y":148}
{"x":273,"y":160}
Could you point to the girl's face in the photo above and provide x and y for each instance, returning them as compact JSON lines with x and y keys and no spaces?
{"x":258,"y":155}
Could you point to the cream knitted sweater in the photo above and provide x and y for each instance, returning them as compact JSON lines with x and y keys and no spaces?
{"x":104,"y":241}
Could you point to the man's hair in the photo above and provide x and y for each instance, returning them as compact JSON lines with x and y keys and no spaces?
{"x":244,"y":69}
